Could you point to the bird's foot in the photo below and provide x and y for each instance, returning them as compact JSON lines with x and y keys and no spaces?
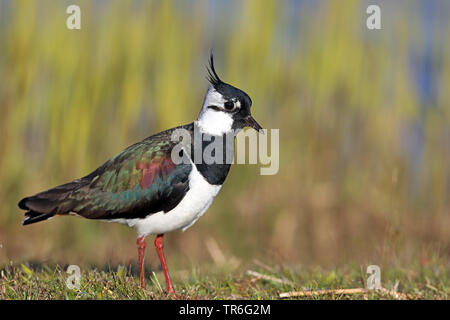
{"x":170,"y":292}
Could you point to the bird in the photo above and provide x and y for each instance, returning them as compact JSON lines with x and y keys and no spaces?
{"x":144,"y":188}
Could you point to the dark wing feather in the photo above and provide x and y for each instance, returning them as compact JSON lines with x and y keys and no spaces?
{"x":139,"y":181}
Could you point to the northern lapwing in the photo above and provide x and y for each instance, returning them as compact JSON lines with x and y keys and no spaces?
{"x":143,"y":187}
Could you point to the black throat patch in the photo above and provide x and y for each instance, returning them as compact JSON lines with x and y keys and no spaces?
{"x":209,"y":149}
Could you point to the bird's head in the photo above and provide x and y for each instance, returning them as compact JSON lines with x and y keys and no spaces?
{"x":225,"y":107}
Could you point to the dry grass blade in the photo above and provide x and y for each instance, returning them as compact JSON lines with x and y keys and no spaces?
{"x":263,"y":265}
{"x":156,"y":281}
{"x":258,"y":276}
{"x":393,"y":294}
{"x":215,"y":252}
{"x":322,"y":292}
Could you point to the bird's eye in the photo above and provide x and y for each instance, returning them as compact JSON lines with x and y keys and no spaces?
{"x":229,"y":105}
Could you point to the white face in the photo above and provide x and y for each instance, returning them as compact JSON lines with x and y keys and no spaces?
{"x":215,"y":121}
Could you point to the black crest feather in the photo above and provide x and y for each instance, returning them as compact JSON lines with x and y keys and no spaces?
{"x":213,"y":78}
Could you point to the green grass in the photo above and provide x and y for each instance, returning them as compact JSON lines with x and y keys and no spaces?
{"x":49,"y":282}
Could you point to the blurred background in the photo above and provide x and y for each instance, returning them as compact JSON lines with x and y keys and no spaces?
{"x":364,"y":119}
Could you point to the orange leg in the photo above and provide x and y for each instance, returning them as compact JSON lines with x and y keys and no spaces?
{"x":141,"y":251}
{"x":159,"y":248}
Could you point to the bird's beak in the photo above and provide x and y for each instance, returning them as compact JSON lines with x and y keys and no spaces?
{"x":250,"y":122}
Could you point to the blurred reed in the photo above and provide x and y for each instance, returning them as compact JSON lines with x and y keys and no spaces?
{"x":345,"y":100}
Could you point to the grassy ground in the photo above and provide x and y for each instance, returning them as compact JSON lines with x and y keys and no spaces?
{"x":257,"y":282}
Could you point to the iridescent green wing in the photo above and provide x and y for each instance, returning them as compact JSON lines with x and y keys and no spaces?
{"x":141,"y":180}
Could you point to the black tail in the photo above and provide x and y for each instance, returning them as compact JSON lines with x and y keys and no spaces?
{"x":45,"y":205}
{"x":32,"y":217}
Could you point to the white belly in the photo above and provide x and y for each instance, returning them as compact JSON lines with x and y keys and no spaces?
{"x":196,"y":201}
